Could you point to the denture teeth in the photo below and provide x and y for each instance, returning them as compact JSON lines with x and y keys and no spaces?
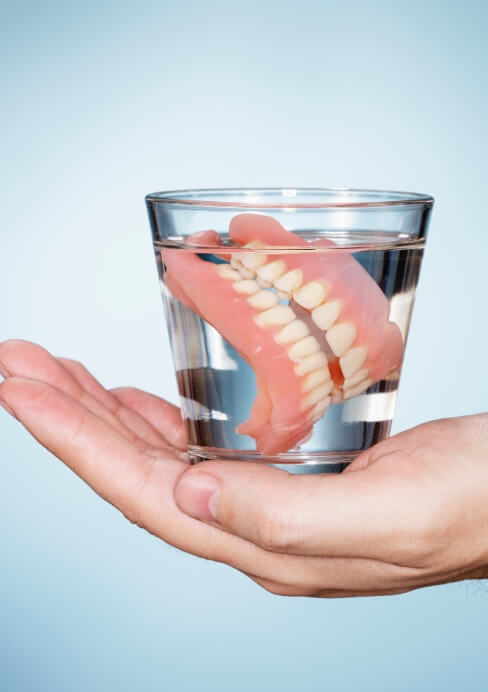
{"x":306,"y":365}
{"x":235,"y":261}
{"x":271,"y":271}
{"x":247,"y":262}
{"x":311,"y":295}
{"x":246,"y":286}
{"x":275,"y":317}
{"x":325,"y":315}
{"x":262,"y":300}
{"x":253,"y":260}
{"x":315,"y":378}
{"x":340,"y":337}
{"x":246,"y":273}
{"x":294,"y":331}
{"x":226,"y":272}
{"x":353,"y":359}
{"x":359,"y":389}
{"x":320,"y":408}
{"x":289,"y":282}
{"x":304,"y":347}
{"x":355,"y":379}
{"x":316,"y":395}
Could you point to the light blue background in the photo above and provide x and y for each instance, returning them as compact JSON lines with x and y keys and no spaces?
{"x":102,"y":102}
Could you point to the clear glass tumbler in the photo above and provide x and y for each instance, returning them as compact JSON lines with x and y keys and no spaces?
{"x":288,"y":312}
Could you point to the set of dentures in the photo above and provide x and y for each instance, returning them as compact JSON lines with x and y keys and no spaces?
{"x":312,"y":323}
{"x":253,"y":277}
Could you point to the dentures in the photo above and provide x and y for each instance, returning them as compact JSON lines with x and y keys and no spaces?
{"x":314,"y":326}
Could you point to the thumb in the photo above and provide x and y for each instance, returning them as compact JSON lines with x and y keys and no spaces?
{"x":334,"y":515}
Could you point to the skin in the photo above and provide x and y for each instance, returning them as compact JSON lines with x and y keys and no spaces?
{"x":410,"y":512}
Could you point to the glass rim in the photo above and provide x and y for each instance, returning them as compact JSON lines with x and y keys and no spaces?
{"x":202,"y":197}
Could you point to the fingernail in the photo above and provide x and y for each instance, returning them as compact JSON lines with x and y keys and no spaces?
{"x":4,"y":405}
{"x":197,"y":495}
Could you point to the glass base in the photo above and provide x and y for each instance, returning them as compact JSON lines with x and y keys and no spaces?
{"x":293,"y":462}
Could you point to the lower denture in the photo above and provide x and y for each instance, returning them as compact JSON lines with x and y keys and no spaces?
{"x":354,"y":302}
{"x":332,"y":360}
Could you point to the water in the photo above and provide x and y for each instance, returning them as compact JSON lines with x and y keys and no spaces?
{"x":217,"y":386}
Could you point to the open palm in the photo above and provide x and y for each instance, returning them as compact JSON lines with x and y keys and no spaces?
{"x":409,"y":512}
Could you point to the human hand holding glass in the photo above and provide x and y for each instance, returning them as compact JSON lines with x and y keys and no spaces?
{"x":409,"y":512}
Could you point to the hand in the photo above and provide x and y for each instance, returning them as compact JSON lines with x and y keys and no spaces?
{"x":410,"y":512}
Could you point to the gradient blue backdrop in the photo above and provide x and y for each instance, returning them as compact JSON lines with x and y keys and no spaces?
{"x":104,"y":101}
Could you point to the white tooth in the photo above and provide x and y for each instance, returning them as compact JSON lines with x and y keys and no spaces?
{"x":353,"y":359}
{"x":253,"y":260}
{"x":289,"y":282}
{"x":262,"y":300}
{"x":275,"y":317}
{"x":245,"y":272}
{"x":254,"y":245}
{"x":340,"y":337}
{"x":355,"y":379}
{"x":315,"y":378}
{"x":264,"y":284}
{"x":316,"y":395}
{"x":294,"y":331}
{"x":306,"y":365}
{"x":283,"y":295}
{"x":304,"y":347}
{"x":310,"y":295}
{"x":271,"y":271}
{"x":325,"y":315}
{"x":226,"y":272}
{"x":359,"y":389}
{"x":246,"y":262}
{"x":246,"y":286}
{"x":319,"y":409}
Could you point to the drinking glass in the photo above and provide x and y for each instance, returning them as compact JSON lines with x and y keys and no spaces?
{"x":288,"y":312}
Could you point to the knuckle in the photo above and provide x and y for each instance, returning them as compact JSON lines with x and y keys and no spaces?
{"x":148,"y":466}
{"x":132,"y":501}
{"x":422,"y":541}
{"x":75,"y":365}
{"x":132,"y":514}
{"x":273,"y":529}
{"x":123,"y":392}
{"x":78,"y":430}
{"x":415,"y":553}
